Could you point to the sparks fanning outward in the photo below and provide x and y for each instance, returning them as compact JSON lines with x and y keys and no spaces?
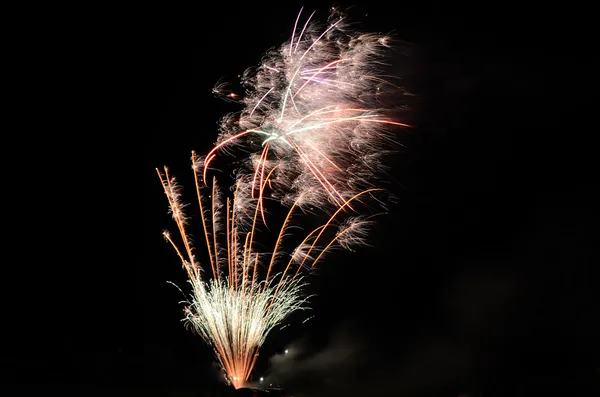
{"x":313,"y":115}
{"x":243,"y":297}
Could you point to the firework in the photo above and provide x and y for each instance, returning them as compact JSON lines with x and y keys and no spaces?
{"x":313,"y":115}
{"x":246,"y":293}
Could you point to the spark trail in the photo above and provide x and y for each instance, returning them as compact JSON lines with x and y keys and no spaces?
{"x":247,"y":292}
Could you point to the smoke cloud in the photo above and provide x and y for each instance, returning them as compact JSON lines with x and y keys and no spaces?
{"x":472,"y":309}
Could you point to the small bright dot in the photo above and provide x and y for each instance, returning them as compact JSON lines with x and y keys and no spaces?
{"x":261,"y":378}
{"x":286,"y":351}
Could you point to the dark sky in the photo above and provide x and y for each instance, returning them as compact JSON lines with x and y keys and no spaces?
{"x":478,"y":283}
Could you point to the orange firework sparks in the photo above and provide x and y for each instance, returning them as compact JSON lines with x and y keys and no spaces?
{"x":236,"y":306}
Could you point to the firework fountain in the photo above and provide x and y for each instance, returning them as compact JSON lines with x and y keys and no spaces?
{"x":243,"y":297}
{"x":315,"y":131}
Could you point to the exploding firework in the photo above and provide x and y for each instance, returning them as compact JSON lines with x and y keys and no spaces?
{"x":244,"y":297}
{"x":314,"y":115}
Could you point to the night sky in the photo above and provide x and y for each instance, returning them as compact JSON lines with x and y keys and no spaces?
{"x":478,"y":282}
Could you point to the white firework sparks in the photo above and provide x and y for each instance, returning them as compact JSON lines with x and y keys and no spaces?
{"x":236,"y":321}
{"x":313,"y":115}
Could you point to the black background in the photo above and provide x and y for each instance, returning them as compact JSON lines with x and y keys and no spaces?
{"x":479,"y":282}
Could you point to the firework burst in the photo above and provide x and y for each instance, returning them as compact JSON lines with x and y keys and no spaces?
{"x":314,"y":115}
{"x":247,"y":293}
